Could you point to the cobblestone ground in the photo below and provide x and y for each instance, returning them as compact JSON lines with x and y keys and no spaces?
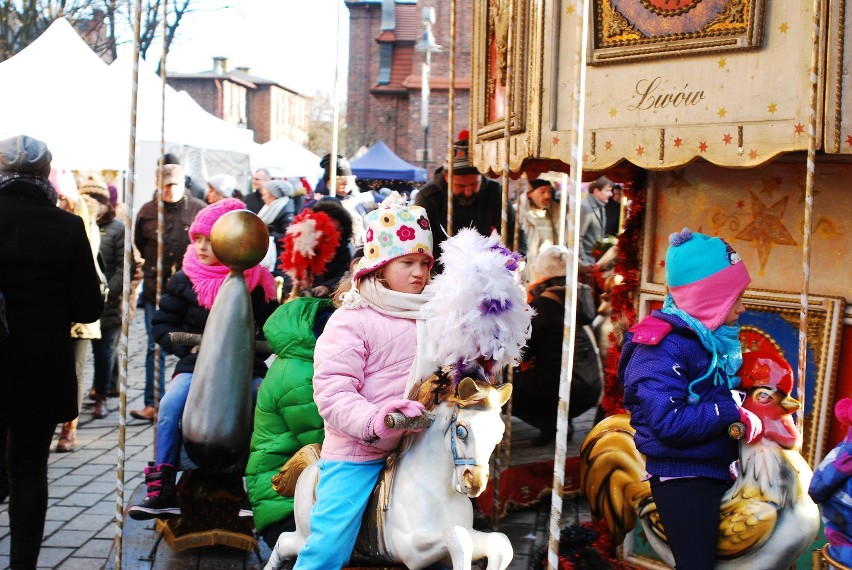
{"x":80,"y":528}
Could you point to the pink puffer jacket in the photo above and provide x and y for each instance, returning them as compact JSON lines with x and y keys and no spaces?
{"x":362,"y":360}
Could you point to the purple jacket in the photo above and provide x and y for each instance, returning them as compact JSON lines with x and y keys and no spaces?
{"x":660,"y":357}
{"x":362,"y":360}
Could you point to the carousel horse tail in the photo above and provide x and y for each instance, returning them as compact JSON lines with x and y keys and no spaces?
{"x":284,"y":482}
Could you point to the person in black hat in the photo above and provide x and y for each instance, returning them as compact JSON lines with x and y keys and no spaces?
{"x":539,"y":217}
{"x":477,"y":201}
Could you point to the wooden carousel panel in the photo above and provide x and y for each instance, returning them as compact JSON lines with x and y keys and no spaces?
{"x":731,"y":107}
{"x":838,"y":116}
{"x":505,"y":71}
{"x":760,"y":212}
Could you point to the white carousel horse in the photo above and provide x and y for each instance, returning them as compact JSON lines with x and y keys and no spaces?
{"x":429,"y":516}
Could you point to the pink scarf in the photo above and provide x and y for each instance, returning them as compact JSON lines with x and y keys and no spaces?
{"x":206,"y":279}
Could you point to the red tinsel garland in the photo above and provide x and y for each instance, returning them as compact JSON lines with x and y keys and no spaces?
{"x":622,"y":295}
{"x":305,"y":227}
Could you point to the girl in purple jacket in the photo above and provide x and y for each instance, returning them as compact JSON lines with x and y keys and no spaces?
{"x":679,"y":366}
{"x":365,"y":362}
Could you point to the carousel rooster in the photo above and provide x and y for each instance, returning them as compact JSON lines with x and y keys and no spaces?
{"x":767,"y":519}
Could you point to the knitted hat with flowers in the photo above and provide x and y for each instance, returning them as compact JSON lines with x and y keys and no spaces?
{"x":393,"y":230}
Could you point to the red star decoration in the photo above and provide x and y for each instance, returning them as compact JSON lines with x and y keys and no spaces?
{"x":555,"y":140}
{"x":740,"y":204}
{"x":608,"y":145}
{"x":677,"y":142}
{"x":800,"y":128}
{"x":640,"y":151}
{"x":663,"y":263}
{"x":752,"y":154}
{"x":727,"y":138}
{"x":849,"y":140}
{"x":703,"y":146}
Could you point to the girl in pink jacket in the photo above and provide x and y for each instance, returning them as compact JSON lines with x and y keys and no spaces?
{"x":364,"y":365}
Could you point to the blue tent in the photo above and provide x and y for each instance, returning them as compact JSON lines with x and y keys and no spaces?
{"x":380,"y":163}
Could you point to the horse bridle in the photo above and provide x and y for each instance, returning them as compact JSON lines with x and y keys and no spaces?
{"x":452,"y":428}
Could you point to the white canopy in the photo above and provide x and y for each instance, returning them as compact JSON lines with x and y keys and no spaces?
{"x":285,"y":159}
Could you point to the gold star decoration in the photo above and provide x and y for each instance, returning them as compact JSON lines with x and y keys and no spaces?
{"x":723,"y":62}
{"x":766,"y":228}
{"x":613,"y":112}
{"x":570,"y":9}
{"x":783,"y":27}
{"x":772,"y":108}
{"x":722,"y":112}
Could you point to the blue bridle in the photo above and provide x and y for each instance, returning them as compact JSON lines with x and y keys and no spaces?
{"x":452,"y":427}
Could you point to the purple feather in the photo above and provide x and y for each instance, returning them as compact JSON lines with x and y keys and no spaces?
{"x":494,"y":306}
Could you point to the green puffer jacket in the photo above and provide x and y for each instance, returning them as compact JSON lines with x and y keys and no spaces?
{"x":286,"y":417}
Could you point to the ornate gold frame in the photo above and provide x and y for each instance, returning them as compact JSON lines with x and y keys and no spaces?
{"x":614,"y":38}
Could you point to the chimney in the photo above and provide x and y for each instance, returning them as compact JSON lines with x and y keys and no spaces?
{"x":220,"y":65}
{"x":243,"y":69}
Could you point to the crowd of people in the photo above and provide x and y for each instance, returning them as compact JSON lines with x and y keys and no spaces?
{"x":345,"y":342}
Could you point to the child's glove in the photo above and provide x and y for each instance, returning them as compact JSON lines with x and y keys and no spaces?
{"x":408,"y":408}
{"x":754,"y":426}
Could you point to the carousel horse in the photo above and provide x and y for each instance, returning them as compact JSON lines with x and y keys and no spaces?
{"x":767,"y":519}
{"x":216,"y":425}
{"x":421,"y":512}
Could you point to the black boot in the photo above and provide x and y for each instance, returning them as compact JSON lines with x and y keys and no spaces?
{"x":161,"y":500}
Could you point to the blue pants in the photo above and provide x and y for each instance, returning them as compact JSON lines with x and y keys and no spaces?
{"x":149,"y":359}
{"x":689,"y":510}
{"x":171,"y":413}
{"x":104,"y":356}
{"x":342,"y":494}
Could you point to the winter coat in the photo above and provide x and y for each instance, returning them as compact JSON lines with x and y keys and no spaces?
{"x":286,"y":417}
{"x":112,"y":254}
{"x":362,"y":360}
{"x":484,"y":214}
{"x":592,"y":221}
{"x":179,"y":311}
{"x":177,"y":218}
{"x":536,"y":393}
{"x":831,"y":486}
{"x":677,"y":438}
{"x":48,"y":284}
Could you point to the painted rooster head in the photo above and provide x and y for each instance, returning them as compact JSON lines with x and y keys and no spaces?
{"x":768,"y":382}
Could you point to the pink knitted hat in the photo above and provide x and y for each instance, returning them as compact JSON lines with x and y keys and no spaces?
{"x":205,"y":219}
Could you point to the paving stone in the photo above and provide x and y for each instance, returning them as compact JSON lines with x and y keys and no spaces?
{"x":71,"y":538}
{"x":53,"y":557}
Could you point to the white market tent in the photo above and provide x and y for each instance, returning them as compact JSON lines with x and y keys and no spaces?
{"x":286,"y":159}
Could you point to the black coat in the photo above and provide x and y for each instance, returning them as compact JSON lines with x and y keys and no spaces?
{"x":47,"y":275}
{"x":179,"y":311}
{"x":112,"y":253}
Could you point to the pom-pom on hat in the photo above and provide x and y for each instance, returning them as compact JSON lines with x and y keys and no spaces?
{"x":705,"y":276}
{"x":204,"y":219}
{"x":393,"y":230}
{"x":223,"y":184}
{"x":843,"y":411}
{"x":24,"y":155}
{"x":765,"y":368}
{"x":461,"y":155}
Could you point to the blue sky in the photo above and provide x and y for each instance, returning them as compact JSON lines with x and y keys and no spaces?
{"x":289,"y":41}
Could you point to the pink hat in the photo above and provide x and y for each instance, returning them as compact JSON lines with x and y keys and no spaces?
{"x":205,"y":219}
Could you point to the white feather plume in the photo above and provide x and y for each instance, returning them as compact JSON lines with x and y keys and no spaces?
{"x":479,"y":309}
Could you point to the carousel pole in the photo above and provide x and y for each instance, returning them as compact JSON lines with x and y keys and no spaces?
{"x":125,"y":296}
{"x":451,"y":117}
{"x":335,"y":113}
{"x":579,"y":10}
{"x":501,"y":458}
{"x":809,"y":208}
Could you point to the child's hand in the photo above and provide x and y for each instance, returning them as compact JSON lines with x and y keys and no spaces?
{"x":408,"y":408}
{"x":754,"y":426}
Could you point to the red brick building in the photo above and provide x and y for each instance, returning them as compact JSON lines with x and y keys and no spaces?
{"x":384,"y":84}
{"x":268,"y":108}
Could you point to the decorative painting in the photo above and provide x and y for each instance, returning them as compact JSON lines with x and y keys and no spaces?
{"x":771,"y":322}
{"x":642,"y":29}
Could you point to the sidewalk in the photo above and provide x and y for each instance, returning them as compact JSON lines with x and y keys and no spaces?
{"x":80,"y":528}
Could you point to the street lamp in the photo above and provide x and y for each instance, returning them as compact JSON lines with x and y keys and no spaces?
{"x":428,"y":46}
